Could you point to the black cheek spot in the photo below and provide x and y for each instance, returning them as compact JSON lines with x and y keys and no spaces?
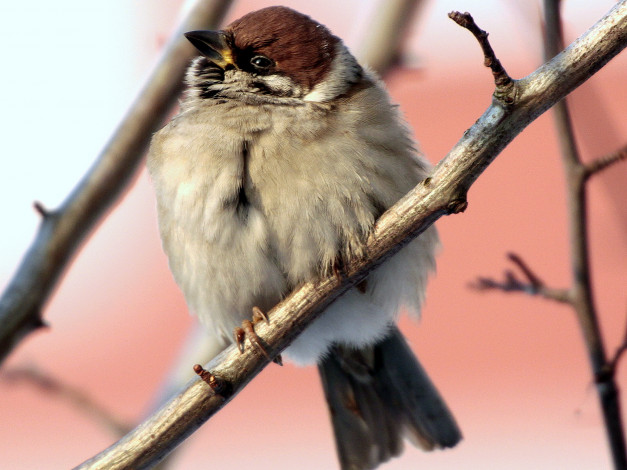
{"x":208,"y":93}
{"x":262,"y":87}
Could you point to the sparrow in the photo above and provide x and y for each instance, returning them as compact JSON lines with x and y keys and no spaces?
{"x":284,"y":153}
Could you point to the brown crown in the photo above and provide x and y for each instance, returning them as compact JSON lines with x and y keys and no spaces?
{"x":301,"y":48}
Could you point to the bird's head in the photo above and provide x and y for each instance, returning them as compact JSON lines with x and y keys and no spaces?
{"x":272,"y":54}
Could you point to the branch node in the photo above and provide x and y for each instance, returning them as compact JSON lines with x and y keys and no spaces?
{"x":532,"y":286}
{"x":456,"y":206}
{"x":217,"y":384}
{"x":39,"y":323}
{"x":41,"y":209}
{"x":505,"y":90}
{"x":605,"y":375}
{"x":533,"y":279}
{"x":613,"y":363}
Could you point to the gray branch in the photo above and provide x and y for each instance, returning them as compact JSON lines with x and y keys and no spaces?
{"x":380,"y":48}
{"x":581,"y":294}
{"x":62,"y":230}
{"x":443,"y":193}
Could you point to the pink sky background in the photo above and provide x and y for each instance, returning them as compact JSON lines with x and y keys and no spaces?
{"x":512,"y":368}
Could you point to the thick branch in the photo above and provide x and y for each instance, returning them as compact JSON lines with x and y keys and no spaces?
{"x":380,"y":47}
{"x":62,"y":231}
{"x":443,"y":193}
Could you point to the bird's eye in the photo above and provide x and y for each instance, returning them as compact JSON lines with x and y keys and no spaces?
{"x":261,"y":62}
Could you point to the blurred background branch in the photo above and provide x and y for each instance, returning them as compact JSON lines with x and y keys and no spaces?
{"x":62,"y":230}
{"x":75,"y":396}
{"x":388,"y":28}
{"x":580,"y":295}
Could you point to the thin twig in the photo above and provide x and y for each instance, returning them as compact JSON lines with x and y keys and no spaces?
{"x":504,"y":83}
{"x":76,"y":397}
{"x":62,"y":231}
{"x":40,"y":209}
{"x":604,"y":162}
{"x":618,"y":354}
{"x":532,"y":286}
{"x":533,"y":278}
{"x":443,"y":193}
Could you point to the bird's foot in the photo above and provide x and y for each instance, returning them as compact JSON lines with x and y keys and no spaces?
{"x":338,"y":269}
{"x":248,"y":330}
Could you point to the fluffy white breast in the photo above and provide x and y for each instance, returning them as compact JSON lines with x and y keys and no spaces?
{"x":219,"y":256}
{"x":315,"y":178}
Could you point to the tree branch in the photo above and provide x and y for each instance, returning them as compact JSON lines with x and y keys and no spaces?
{"x":76,"y":397}
{"x":604,"y":162}
{"x":443,"y":193}
{"x":533,"y":286}
{"x":61,"y":231}
{"x":502,"y":80}
{"x":380,"y":47}
{"x":619,"y":353}
{"x":581,"y":292}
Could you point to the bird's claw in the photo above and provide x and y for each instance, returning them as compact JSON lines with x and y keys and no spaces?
{"x":259,"y":315}
{"x":248,"y":330}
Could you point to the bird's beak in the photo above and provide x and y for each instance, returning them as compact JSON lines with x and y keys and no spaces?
{"x":213,"y":45}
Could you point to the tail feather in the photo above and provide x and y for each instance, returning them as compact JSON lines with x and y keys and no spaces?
{"x":379,"y":395}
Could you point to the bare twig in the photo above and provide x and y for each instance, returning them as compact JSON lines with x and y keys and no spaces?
{"x":532,"y":286}
{"x":73,"y":395}
{"x":504,"y":83}
{"x":62,"y":231}
{"x":618,"y":354}
{"x":443,"y":193}
{"x":604,"y":162}
{"x":533,"y":279}
{"x":41,"y":210}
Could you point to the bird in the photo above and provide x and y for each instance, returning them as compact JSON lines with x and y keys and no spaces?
{"x":283,"y":154}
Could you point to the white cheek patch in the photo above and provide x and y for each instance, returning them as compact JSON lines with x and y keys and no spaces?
{"x":344,"y":72}
{"x":280,"y":85}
